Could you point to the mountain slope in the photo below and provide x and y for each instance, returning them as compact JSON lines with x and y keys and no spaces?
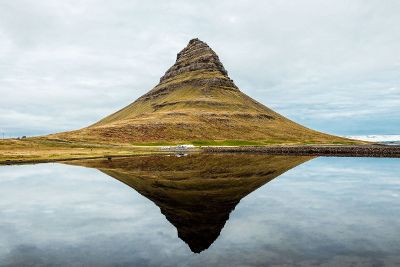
{"x":196,"y":100}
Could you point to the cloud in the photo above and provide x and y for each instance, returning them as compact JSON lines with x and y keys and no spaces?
{"x":66,"y":65}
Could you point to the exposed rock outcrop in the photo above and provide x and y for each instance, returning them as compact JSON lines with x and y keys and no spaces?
{"x":197,"y":55}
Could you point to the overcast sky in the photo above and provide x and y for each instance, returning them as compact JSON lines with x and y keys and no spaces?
{"x":331,"y":65}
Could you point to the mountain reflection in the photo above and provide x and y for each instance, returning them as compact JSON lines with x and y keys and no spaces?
{"x":196,"y":193}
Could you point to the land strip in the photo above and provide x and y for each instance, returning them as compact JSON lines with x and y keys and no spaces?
{"x":314,"y":150}
{"x":37,"y":150}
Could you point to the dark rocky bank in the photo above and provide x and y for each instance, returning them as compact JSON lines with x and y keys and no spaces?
{"x":379,"y":151}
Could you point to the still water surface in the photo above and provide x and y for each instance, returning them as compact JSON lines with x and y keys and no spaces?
{"x":202,"y":210}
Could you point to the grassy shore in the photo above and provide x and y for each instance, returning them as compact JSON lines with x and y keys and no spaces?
{"x":31,"y":150}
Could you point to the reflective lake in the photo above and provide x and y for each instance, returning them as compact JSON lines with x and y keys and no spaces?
{"x":202,"y":210}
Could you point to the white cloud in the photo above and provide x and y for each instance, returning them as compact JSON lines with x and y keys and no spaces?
{"x":77,"y":61}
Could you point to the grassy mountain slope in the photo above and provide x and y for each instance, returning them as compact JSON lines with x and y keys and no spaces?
{"x":196,"y":101}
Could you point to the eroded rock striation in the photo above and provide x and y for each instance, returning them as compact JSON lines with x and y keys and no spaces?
{"x":197,"y":56}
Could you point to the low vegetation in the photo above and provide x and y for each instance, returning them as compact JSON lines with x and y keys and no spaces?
{"x":43,"y":150}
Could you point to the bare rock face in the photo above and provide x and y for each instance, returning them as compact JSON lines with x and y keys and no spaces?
{"x":197,"y":55}
{"x":196,"y":58}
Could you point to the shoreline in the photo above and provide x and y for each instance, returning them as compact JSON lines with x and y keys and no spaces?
{"x":378,"y":151}
{"x":39,"y":161}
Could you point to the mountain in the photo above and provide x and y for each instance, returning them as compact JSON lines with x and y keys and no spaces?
{"x":198,"y":192}
{"x":196,"y":100}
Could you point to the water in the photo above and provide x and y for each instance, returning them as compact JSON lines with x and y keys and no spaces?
{"x":202,"y":210}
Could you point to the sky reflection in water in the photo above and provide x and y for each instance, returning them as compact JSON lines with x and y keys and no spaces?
{"x":327,"y":211}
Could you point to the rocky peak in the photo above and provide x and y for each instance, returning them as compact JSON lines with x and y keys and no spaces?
{"x":197,"y":55}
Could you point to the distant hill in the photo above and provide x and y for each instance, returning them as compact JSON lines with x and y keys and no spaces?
{"x":197,"y":101}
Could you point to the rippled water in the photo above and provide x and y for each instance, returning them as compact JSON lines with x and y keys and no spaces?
{"x":202,"y":210}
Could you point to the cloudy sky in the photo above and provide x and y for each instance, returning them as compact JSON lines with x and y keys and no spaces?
{"x":332,"y":65}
